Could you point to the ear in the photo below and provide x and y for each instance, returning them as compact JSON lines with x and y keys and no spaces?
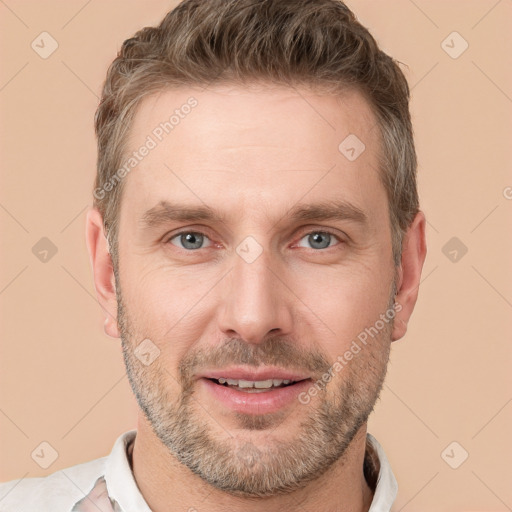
{"x":414,"y":251}
{"x":103,"y":270}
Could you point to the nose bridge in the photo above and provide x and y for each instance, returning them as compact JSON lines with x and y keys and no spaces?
{"x":253,"y":302}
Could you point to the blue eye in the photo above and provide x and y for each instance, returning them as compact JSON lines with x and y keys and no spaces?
{"x":189,"y":240}
{"x":319,"y":239}
{"x":193,"y":240}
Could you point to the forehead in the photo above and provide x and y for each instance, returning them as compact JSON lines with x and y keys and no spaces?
{"x":233,"y":147}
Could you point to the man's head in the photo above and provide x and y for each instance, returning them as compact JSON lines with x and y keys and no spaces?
{"x":256,"y":182}
{"x":315,"y":44}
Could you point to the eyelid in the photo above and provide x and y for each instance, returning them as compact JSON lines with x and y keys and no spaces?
{"x":329,"y":231}
{"x":168,"y":240}
{"x":201,"y":230}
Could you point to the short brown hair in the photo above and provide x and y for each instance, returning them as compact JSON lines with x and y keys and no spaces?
{"x":311,"y":43}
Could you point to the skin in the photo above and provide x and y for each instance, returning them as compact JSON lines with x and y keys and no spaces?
{"x":253,"y":154}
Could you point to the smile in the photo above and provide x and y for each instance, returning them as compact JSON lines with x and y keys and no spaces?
{"x":263,"y":395}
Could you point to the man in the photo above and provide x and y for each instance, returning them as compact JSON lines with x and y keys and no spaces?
{"x":256,"y":244}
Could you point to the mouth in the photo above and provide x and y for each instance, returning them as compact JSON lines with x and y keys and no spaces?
{"x":249,"y":391}
{"x":255,"y":386}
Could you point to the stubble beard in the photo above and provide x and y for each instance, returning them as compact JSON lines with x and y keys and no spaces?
{"x":230,"y":461}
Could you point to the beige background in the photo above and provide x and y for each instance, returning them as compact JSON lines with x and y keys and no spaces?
{"x":62,"y":380}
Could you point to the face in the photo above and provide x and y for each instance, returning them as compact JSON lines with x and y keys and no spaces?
{"x":254,"y":255}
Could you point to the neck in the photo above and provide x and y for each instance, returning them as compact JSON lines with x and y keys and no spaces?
{"x":163,"y":480}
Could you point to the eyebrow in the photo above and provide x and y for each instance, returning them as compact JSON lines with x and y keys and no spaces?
{"x":165,"y":212}
{"x":329,"y":210}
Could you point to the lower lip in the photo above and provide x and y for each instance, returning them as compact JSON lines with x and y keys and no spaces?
{"x":256,"y":403}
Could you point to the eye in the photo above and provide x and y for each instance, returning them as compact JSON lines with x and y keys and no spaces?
{"x":319,"y":239}
{"x":189,"y":240}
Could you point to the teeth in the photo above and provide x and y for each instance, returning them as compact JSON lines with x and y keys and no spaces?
{"x":246,"y":384}
{"x":258,"y":384}
{"x":263,"y":383}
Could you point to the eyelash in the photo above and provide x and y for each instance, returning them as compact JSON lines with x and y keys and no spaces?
{"x":323,"y":231}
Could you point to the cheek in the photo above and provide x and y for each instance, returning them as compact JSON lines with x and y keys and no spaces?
{"x":168,"y":306}
{"x":343,"y":303}
{"x":158,"y":290}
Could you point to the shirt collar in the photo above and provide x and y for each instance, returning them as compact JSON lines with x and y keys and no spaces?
{"x":386,"y":486}
{"x":123,"y":490}
{"x":121,"y":485}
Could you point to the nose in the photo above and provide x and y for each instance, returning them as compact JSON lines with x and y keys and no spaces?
{"x":255,"y":303}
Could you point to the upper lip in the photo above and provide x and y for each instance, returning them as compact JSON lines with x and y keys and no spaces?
{"x":264,"y":373}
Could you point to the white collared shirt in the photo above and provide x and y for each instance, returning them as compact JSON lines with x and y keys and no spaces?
{"x":107,"y":484}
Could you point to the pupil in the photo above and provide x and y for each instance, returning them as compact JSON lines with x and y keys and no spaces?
{"x":192,"y":240}
{"x":320,"y":240}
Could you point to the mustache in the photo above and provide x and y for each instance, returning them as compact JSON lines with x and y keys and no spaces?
{"x":274,"y":351}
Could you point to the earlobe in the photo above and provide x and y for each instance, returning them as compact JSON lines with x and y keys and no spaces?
{"x":110,"y":328}
{"x":414,"y":250}
{"x":103,"y":271}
